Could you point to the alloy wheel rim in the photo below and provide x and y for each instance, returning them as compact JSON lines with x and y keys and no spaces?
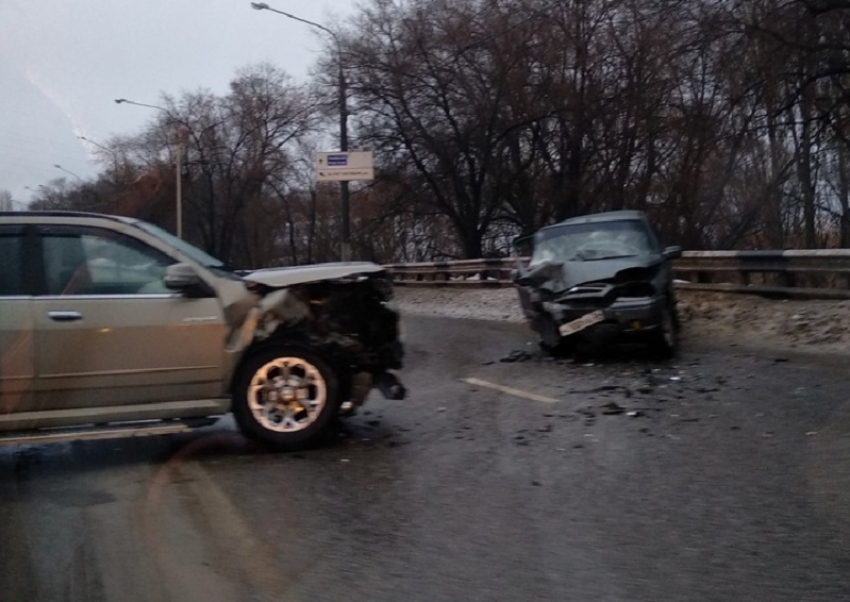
{"x":287,"y":394}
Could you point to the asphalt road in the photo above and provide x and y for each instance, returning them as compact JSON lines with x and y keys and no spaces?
{"x":731,"y":482}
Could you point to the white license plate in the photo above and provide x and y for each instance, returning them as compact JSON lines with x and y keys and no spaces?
{"x":581,"y":323}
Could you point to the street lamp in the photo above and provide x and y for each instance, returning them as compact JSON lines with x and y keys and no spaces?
{"x":57,"y":166}
{"x":106,"y":149}
{"x":179,"y":163}
{"x":345,"y":225}
{"x":97,"y":144}
{"x":115,"y":175}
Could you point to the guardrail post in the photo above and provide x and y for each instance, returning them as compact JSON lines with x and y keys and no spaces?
{"x":743,"y":273}
{"x":441,"y":271}
{"x":492,"y":269}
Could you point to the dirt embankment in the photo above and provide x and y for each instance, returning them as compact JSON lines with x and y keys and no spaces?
{"x":822,"y":326}
{"x":813,"y":326}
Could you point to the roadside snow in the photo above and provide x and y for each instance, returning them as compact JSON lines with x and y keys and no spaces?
{"x":816,"y":326}
{"x":474,"y":303}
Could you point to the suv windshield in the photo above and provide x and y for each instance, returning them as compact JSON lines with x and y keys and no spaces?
{"x":181,"y":245}
{"x":591,"y":241}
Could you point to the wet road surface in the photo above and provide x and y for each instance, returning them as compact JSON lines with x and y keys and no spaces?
{"x":721,"y":475}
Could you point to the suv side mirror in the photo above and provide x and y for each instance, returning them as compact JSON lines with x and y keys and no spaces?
{"x":182,"y":277}
{"x":673,"y":252}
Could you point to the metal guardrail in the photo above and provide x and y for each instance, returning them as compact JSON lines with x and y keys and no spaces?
{"x":466,"y":272}
{"x":807,"y":274}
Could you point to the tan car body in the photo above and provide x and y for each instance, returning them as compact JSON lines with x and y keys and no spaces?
{"x":99,"y":358}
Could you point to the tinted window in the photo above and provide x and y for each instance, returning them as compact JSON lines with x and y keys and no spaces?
{"x":11,"y":265}
{"x":101,"y":263}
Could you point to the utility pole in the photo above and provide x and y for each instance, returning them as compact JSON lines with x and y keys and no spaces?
{"x":178,"y":171}
{"x":342,"y":99}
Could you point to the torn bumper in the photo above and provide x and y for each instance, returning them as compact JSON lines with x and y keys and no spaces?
{"x":633,"y":316}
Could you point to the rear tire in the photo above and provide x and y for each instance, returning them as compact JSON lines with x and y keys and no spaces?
{"x":285,"y":397}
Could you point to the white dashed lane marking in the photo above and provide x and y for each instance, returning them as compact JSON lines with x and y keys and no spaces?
{"x":510,"y":390}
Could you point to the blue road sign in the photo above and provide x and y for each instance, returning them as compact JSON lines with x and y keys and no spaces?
{"x":337,"y":160}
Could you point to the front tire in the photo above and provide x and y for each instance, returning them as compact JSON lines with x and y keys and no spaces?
{"x":285,"y":397}
{"x":665,"y":340}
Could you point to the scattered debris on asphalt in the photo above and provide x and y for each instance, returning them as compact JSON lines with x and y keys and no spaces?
{"x":612,"y":408}
{"x":518,"y":355}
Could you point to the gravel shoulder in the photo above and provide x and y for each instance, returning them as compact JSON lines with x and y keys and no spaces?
{"x":821,"y":327}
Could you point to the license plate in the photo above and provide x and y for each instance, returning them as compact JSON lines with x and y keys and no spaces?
{"x":581,"y":323}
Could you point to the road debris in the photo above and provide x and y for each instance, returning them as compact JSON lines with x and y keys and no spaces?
{"x":612,"y":408}
{"x":518,"y":355}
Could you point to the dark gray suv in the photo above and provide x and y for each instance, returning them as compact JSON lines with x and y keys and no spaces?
{"x":597,"y":279}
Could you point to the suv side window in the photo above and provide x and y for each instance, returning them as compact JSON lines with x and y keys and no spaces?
{"x":12,"y":264}
{"x":91,"y":261}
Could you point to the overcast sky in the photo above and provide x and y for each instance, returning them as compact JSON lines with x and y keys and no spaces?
{"x":63,"y":62}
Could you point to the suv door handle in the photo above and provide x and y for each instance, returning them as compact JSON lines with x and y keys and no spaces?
{"x":65,"y":316}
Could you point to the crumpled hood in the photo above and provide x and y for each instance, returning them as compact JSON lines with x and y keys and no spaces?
{"x":559,"y":276}
{"x":281,"y":277}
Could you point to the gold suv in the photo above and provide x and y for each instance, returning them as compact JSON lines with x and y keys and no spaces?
{"x":110,"y":326}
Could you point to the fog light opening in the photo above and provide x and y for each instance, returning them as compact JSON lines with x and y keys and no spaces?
{"x":637,"y":324}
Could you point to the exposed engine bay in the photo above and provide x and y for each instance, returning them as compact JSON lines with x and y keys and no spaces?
{"x":352,"y":318}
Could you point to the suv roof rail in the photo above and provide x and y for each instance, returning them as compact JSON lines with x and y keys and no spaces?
{"x":59,"y":213}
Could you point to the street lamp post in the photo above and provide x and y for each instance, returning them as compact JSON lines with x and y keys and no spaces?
{"x":59,"y":167}
{"x":103,"y":148}
{"x":115,"y":177}
{"x":344,"y":195}
{"x":179,"y":164}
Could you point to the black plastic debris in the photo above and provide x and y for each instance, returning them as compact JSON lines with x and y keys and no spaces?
{"x":517,"y":355}
{"x":612,"y":408}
